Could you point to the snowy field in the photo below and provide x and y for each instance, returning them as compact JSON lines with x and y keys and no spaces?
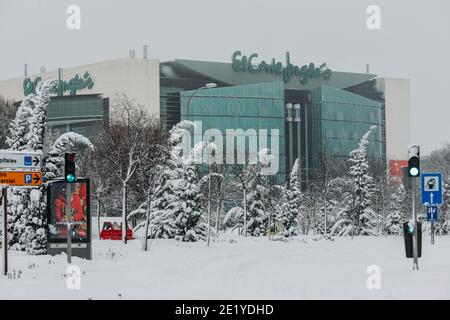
{"x":247,"y":269}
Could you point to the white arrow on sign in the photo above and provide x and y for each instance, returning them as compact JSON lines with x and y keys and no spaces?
{"x":431,"y":197}
{"x":20,"y":159}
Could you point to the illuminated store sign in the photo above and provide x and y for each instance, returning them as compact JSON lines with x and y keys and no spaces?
{"x":72,"y":86}
{"x":242,"y":63}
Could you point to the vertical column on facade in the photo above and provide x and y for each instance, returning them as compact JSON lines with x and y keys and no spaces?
{"x":289,"y":122}
{"x":297,"y":119}
{"x":306,"y":146}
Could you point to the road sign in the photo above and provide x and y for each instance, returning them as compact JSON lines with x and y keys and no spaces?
{"x":20,"y":159}
{"x":432,"y":213}
{"x":431,"y":188}
{"x":20,"y":179}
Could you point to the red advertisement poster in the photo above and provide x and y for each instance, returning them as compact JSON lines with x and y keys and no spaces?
{"x":79,"y":215}
{"x":395,"y":167}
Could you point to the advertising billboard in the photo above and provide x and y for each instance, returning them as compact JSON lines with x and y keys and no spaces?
{"x":57,"y":215}
{"x":395,"y":167}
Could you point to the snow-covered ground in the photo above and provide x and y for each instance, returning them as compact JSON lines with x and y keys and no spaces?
{"x":249,"y":268}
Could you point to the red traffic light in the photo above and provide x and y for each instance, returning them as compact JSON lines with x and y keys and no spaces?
{"x":69,"y":167}
{"x":70,"y":157}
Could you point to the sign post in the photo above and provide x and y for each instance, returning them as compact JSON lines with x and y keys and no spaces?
{"x":432,"y":216}
{"x":432,"y":196}
{"x":22,"y":160}
{"x":20,"y":179}
{"x":5,"y":231}
{"x":19,"y":159}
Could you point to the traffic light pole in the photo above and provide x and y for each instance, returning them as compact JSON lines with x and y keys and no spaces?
{"x":415,"y":234}
{"x":69,"y":221}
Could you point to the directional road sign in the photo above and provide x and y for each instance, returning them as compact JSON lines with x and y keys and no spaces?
{"x":20,"y":179}
{"x":20,"y":160}
{"x":431,"y":188}
{"x":432,"y":213}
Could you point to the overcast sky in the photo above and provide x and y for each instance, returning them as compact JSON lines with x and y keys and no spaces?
{"x":413,"y":41}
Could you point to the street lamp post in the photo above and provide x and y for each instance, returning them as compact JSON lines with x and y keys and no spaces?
{"x":206,"y":86}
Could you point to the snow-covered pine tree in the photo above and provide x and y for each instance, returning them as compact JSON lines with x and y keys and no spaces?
{"x":257,"y":200}
{"x":162,"y":218}
{"x":442,"y":226}
{"x":289,"y":214}
{"x":18,"y":197}
{"x":258,"y":219}
{"x":358,"y":218}
{"x":176,"y":211}
{"x":187,"y":207}
{"x":34,"y":238}
{"x":234,"y":218}
{"x":20,"y":126}
{"x":396,"y":213}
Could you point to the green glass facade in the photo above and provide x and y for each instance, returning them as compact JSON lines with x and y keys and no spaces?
{"x":323,"y":119}
{"x":247,"y":107}
{"x":83,"y":114}
{"x":338,"y":121}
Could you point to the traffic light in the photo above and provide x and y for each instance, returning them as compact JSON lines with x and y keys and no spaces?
{"x":69,"y":167}
{"x":408,"y":232}
{"x":414,"y":161}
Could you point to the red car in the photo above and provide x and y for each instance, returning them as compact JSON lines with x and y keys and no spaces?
{"x":112,"y":231}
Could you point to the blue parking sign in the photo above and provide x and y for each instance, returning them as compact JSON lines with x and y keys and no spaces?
{"x":432,"y":213}
{"x":27,"y":160}
{"x":28,"y":178}
{"x":431,"y":188}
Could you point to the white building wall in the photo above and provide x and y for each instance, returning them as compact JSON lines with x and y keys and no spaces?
{"x":135,"y":77}
{"x":396,"y":94}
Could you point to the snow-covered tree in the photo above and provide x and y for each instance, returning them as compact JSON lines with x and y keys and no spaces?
{"x":176,"y":210}
{"x":27,"y":207}
{"x":19,"y":127}
{"x":122,"y":145}
{"x":187,"y":208}
{"x":288,"y":216}
{"x":161,"y":217}
{"x":442,"y":226}
{"x":396,"y":214}
{"x":234,"y":218}
{"x":257,"y":199}
{"x":8,"y":111}
{"x":17,"y":197}
{"x":34,"y":238}
{"x":358,"y":218}
{"x":152,"y":167}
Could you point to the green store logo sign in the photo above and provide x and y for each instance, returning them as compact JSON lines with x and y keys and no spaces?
{"x":72,"y":86}
{"x":242,"y":63}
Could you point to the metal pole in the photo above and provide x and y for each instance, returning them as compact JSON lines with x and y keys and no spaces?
{"x":245,"y":211}
{"x":69,"y":221}
{"x":5,"y":230}
{"x":190,"y":98}
{"x":432,"y":231}
{"x":209,"y":202}
{"x":415,"y":234}
{"x":245,"y":200}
